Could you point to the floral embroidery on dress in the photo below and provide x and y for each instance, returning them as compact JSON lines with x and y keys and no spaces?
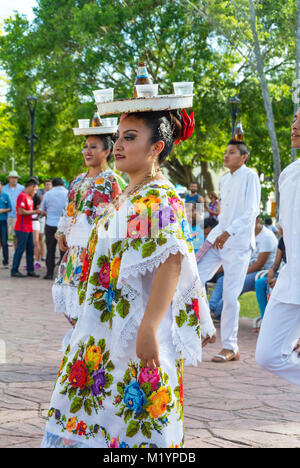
{"x":73,"y":425}
{"x":86,"y":379}
{"x":144,"y":400}
{"x":190,"y":316}
{"x":178,"y":391}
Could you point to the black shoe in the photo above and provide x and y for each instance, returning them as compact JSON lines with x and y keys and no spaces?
{"x":33,"y":274}
{"x":48,"y":277}
{"x":18,"y":275}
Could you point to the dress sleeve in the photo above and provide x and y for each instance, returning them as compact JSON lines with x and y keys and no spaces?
{"x":66,"y":217}
{"x":156,"y":229}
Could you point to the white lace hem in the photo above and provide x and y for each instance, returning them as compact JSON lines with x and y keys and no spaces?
{"x":65,"y":300}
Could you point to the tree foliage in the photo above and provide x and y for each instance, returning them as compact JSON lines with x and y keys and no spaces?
{"x":75,"y":46}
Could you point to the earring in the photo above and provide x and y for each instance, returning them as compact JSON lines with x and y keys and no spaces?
{"x":154,"y":169}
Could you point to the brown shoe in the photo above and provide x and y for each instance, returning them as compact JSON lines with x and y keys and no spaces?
{"x":226,"y":355}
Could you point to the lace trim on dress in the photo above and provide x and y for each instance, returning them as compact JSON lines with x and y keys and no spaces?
{"x":65,"y":300}
{"x":183,"y":342}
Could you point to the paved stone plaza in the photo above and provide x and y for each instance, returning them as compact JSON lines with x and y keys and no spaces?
{"x":236,"y":405}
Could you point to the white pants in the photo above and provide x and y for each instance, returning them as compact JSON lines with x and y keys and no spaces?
{"x":279,"y":333}
{"x":235,"y":265}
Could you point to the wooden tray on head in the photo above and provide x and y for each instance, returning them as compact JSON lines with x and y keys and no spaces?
{"x":157,"y":103}
{"x":95,"y":131}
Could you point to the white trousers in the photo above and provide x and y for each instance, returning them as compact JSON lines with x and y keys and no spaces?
{"x":279,"y":334}
{"x":235,"y":265}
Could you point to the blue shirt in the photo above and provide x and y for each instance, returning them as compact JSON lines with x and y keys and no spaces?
{"x":53,"y":203}
{"x":198,"y":240}
{"x":192,"y":198}
{"x":13,"y":194}
{"x":4,"y":204}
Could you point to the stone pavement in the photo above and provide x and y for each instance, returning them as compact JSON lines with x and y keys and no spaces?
{"x":234,"y":405}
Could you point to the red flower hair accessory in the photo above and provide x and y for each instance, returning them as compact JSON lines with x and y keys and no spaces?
{"x":188,"y":126}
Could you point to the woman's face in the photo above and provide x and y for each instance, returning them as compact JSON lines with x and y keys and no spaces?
{"x":133,"y":150}
{"x":93,"y":152}
{"x":296,"y":131}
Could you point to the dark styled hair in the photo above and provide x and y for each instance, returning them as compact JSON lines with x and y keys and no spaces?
{"x":165,"y":126}
{"x":210,"y":222}
{"x":31,"y":182}
{"x":107,"y":141}
{"x":268,"y":221}
{"x":243,"y":148}
{"x":57,"y":182}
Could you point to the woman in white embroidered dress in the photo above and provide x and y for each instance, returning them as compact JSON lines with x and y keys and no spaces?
{"x":89,"y":190}
{"x":120,"y":383}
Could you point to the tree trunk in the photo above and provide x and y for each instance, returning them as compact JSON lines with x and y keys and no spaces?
{"x":267,"y":103}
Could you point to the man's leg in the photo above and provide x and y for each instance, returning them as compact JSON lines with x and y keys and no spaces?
{"x":261,"y":294}
{"x":4,"y":241}
{"x":21,"y":246}
{"x":235,"y":264}
{"x":51,"y":248}
{"x":249,"y":285}
{"x":209,"y":265}
{"x":279,"y":334}
{"x":30,"y":253}
{"x":216,"y":296}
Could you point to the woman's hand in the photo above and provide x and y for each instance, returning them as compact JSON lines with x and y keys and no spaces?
{"x":147,"y":349}
{"x":62,"y":243}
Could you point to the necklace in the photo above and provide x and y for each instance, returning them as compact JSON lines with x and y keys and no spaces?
{"x":120,"y":199}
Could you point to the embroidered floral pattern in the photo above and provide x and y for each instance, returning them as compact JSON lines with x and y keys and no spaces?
{"x":178,"y":391}
{"x":190,"y":316}
{"x":87,"y":378}
{"x":75,"y":426}
{"x":87,"y":199}
{"x":144,"y":400}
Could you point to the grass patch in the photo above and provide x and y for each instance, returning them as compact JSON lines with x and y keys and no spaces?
{"x":249,"y":306}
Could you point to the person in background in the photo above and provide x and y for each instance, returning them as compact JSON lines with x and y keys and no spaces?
{"x":36,"y":230}
{"x":24,"y":230}
{"x":214,"y":206}
{"x":194,"y":196}
{"x":231,"y":242}
{"x":5,"y":208}
{"x":52,"y":207}
{"x":269,"y":225}
{"x":42,"y":219}
{"x":263,"y":286}
{"x":262,"y":259}
{"x":209,"y":224}
{"x":48,"y":185}
{"x":194,"y":220}
{"x":13,"y":189}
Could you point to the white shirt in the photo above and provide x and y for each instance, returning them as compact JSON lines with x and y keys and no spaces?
{"x":287,"y":288}
{"x":266,"y":241}
{"x":240,"y":205}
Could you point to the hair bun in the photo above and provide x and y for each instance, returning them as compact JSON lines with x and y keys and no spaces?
{"x":176,"y":121}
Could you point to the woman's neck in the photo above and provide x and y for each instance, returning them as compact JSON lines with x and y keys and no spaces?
{"x":138,"y":177}
{"x":94,"y":171}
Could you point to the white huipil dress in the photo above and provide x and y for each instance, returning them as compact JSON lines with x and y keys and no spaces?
{"x":103,"y":397}
{"x":86,"y":195}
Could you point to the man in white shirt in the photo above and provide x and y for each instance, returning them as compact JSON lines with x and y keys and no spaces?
{"x":232,"y":241}
{"x":262,"y":258}
{"x":280,"y":329}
